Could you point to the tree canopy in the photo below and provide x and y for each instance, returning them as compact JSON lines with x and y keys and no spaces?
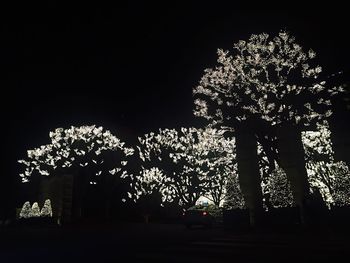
{"x":76,"y":148}
{"x":270,"y":78}
{"x":184,"y":165}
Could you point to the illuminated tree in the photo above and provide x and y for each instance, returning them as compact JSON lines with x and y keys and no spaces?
{"x":269,"y":78}
{"x":46,"y":210}
{"x":89,"y":153}
{"x":184,"y":165}
{"x":233,"y":197}
{"x":35,"y":210}
{"x":26,"y":211}
{"x":76,"y":148}
{"x":341,"y":184}
{"x":269,"y":86}
{"x":278,"y":189}
{"x":330,"y":177}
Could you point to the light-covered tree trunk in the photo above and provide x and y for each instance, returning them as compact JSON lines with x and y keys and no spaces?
{"x":248,"y":172}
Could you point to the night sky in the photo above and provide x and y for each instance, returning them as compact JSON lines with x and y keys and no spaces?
{"x":131,"y":67}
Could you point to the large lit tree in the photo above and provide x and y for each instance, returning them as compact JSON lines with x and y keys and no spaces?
{"x":184,"y":165}
{"x":265,"y":82}
{"x":89,"y":153}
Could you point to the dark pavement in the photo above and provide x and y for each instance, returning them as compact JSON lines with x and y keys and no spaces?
{"x":138,"y":242}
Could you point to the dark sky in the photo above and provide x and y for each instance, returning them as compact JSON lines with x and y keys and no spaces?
{"x":131,"y":67}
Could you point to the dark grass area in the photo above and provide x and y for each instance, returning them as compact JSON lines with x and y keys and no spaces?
{"x":280,"y":239}
{"x":99,"y":241}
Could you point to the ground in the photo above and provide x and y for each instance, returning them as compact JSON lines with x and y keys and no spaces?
{"x":140,"y":242}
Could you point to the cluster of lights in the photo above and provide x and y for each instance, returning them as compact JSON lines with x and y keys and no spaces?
{"x":75,"y":148}
{"x":330,"y":177}
{"x":29,"y":211}
{"x":257,"y":79}
{"x":201,"y":162}
{"x":275,"y":186}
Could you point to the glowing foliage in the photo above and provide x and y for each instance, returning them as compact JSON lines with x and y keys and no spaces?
{"x":341,"y":184}
{"x":26,"y":211}
{"x":271,"y":78}
{"x":35,"y":210}
{"x":317,"y":144}
{"x":330,"y":177}
{"x":234,"y":197}
{"x":275,"y":81}
{"x":154,"y":180}
{"x":74,"y":148}
{"x":46,"y":210}
{"x":278,"y":189}
{"x":184,"y":165}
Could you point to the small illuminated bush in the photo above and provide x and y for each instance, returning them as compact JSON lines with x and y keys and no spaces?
{"x":26,"y":211}
{"x":234,"y":197}
{"x":341,"y":184}
{"x":46,"y":210}
{"x":279,"y":189}
{"x":35,"y":210}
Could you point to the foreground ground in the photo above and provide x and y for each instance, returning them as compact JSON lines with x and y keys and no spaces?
{"x":139,"y":242}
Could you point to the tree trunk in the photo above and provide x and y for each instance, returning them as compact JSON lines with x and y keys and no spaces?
{"x":106,"y":209}
{"x":291,"y":154}
{"x":79,"y":191}
{"x":248,"y":172}
{"x":52,"y":188}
